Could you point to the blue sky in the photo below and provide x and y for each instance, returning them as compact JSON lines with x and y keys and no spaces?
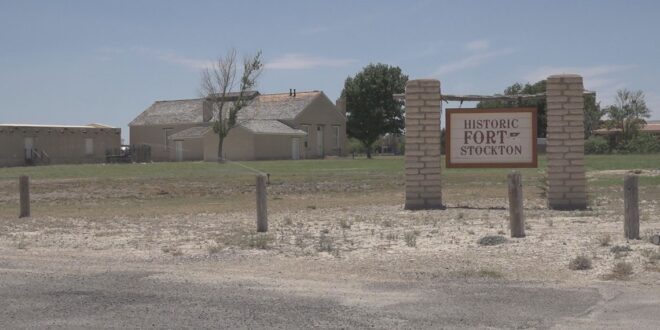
{"x":77,"y":62}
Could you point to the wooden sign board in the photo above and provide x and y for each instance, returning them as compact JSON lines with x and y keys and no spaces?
{"x":502,"y":137}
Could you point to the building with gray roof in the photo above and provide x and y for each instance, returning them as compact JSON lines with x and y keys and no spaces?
{"x":272,"y":126}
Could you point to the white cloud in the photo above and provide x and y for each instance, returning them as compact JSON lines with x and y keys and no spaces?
{"x":587,"y":72}
{"x":471,"y":61}
{"x":174,"y":58}
{"x":603,"y":79}
{"x":302,"y":61}
{"x":477,"y":45}
{"x":108,"y":53}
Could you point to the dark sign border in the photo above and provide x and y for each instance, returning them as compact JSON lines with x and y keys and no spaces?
{"x":450,"y":164}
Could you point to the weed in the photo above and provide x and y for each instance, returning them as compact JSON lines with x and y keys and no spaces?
{"x":213,"y":249}
{"x":550,"y":222}
{"x":288,"y":221}
{"x":620,"y":249}
{"x":470,"y":231}
{"x":387,"y":223}
{"x":259,"y":241}
{"x":326,"y":243}
{"x":172,"y":250}
{"x":652,"y":255}
{"x":604,"y":240}
{"x":344,"y":224}
{"x":621,"y":271}
{"x":461,"y":216}
{"x":22,"y":245}
{"x":311,"y":207}
{"x":411,"y":238}
{"x":580,"y":263}
{"x":392,"y":236}
{"x":491,"y":240}
{"x":501,"y":232}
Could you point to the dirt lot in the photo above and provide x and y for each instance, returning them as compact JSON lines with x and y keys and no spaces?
{"x":338,"y":219}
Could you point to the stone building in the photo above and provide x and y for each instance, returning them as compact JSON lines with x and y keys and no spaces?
{"x":56,"y":144}
{"x":273,"y":126}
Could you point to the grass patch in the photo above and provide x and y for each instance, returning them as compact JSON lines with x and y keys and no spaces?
{"x":621,"y":271}
{"x":580,"y":263}
{"x":492,"y":240}
{"x":620,"y":249}
{"x":604,"y":240}
{"x":410,"y":237}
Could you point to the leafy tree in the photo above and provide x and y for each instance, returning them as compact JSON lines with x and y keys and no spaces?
{"x":592,"y":111}
{"x":219,"y":81}
{"x":592,"y":115}
{"x":628,"y":113}
{"x":518,"y":89}
{"x":371,"y":110}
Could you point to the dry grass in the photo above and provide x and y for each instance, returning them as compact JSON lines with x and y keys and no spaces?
{"x":621,"y":271}
{"x":580,"y":263}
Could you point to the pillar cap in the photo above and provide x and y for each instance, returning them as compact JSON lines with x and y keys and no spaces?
{"x":564,"y":75}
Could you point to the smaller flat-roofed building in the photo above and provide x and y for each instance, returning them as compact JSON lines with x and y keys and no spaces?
{"x":22,"y":144}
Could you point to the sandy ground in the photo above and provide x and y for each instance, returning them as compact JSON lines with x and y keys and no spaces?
{"x":317,"y":248}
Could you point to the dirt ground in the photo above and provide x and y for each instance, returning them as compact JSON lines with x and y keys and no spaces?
{"x":351,"y":223}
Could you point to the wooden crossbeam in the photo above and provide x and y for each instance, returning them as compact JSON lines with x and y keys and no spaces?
{"x":496,"y":97}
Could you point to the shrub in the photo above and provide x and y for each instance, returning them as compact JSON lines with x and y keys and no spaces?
{"x":620,"y":249}
{"x":643,"y":143}
{"x":492,"y":240}
{"x":621,"y":270}
{"x":580,"y":263}
{"x":411,"y":238}
{"x":596,"y":145}
{"x":604,"y":240}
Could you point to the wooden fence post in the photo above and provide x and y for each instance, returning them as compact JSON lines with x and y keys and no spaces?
{"x":631,"y":207}
{"x":516,"y":216}
{"x":24,"y":192}
{"x":262,"y":210}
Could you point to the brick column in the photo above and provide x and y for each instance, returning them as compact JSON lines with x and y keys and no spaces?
{"x":567,"y":185}
{"x":423,"y":180}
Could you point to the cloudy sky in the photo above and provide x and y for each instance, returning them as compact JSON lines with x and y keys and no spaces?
{"x":77,"y":62}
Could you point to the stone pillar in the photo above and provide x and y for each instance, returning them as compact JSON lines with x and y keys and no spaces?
{"x":423,"y":177}
{"x":567,"y":185}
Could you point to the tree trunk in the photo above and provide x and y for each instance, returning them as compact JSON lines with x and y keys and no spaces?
{"x":221,"y":157}
{"x":368,"y":152}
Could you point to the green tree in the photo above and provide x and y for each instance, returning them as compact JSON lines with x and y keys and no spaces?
{"x":592,"y":110}
{"x":371,"y":110}
{"x":219,"y":81}
{"x":519,"y":89}
{"x":628,"y":113}
{"x":592,"y":115}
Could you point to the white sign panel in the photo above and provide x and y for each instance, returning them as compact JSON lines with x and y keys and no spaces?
{"x":491,"y":137}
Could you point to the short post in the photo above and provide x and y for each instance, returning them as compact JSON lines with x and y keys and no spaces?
{"x":516,"y":217}
{"x":262,"y":211}
{"x":24,"y":192}
{"x":631,"y":207}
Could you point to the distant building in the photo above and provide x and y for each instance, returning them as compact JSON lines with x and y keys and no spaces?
{"x":56,"y":144}
{"x":273,"y":126}
{"x":652,"y":127}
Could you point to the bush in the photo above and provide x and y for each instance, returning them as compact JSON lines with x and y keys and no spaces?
{"x":643,"y":143}
{"x":596,"y":145}
{"x":580,"y":263}
{"x":491,"y":240}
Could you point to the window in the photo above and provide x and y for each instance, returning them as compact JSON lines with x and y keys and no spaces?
{"x":305,"y":128}
{"x":89,"y":146}
{"x":335,"y":132}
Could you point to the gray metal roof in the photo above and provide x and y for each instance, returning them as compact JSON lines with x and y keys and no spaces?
{"x":271,"y":127}
{"x":171,"y":112}
{"x":263,"y":106}
{"x":278,"y":106}
{"x":190,"y":133}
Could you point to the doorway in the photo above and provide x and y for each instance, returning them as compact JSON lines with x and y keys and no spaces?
{"x":28,"y":145}
{"x":319,"y":141}
{"x":178,"y":150}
